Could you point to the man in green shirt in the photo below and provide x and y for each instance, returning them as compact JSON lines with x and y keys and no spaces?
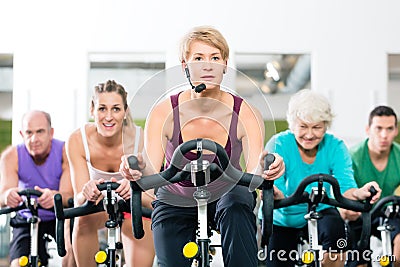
{"x":378,"y":159}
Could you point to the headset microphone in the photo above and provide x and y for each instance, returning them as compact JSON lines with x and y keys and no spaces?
{"x":199,"y":88}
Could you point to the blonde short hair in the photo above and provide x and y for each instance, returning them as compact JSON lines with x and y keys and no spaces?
{"x":206,"y":34}
{"x":309,"y":106}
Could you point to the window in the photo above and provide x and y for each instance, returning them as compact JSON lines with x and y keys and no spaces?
{"x":6,"y":94}
{"x":270,"y":79}
{"x":393,"y":94}
{"x":131,"y":70}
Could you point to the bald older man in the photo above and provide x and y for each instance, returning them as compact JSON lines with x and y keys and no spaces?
{"x":40,"y":162}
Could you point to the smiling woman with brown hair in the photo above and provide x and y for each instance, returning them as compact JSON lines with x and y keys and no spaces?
{"x":95,"y":152}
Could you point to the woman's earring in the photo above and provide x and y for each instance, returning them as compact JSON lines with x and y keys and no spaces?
{"x":224,"y":71}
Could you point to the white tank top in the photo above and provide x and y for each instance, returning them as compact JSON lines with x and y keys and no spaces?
{"x":96,"y":174}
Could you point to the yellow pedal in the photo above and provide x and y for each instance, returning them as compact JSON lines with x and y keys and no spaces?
{"x":384,"y":261}
{"x":23,"y":261}
{"x":307,"y":257}
{"x":190,"y":250}
{"x":100,"y":257}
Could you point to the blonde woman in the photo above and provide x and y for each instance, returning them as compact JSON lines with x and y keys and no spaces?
{"x":205,"y":112}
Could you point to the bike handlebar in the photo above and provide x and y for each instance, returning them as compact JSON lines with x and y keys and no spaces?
{"x":7,"y":210}
{"x":301,"y":196}
{"x":179,"y":171}
{"x":338,"y":200}
{"x":89,"y":207}
{"x":25,"y":192}
{"x":378,"y":209}
{"x":30,"y":192}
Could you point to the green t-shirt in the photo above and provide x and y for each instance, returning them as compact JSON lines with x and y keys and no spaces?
{"x":365,"y":171}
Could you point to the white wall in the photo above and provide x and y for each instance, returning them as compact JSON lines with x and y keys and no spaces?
{"x":50,"y":40}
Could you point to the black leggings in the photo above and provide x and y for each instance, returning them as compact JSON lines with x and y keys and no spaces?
{"x":332,"y":235}
{"x":232,"y":214}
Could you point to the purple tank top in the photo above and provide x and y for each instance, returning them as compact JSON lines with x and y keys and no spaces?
{"x":46,"y":175}
{"x":233,"y":145}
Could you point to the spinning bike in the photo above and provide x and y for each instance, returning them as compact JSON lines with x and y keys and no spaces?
{"x":113,"y":255}
{"x":385,"y":209}
{"x":308,"y":248}
{"x":30,"y":203}
{"x":201,"y":172}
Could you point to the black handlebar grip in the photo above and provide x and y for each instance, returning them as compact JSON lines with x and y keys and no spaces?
{"x":58,"y":208}
{"x":30,"y":192}
{"x":268,"y":160}
{"x":136,"y":202}
{"x":268,"y":203}
{"x":373,"y":192}
{"x":364,"y":241}
{"x":136,"y":206}
{"x":9,"y":210}
{"x":103,"y":186}
{"x":133,"y":162}
{"x":70,"y":202}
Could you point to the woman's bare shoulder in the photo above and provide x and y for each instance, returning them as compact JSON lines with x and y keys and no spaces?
{"x":76,"y":135}
{"x":248,"y":109}
{"x":161,"y":108}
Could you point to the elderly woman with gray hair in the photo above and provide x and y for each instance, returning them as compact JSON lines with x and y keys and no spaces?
{"x":307,"y":148}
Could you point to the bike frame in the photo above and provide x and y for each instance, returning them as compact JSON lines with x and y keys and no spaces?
{"x":29,"y":203}
{"x":179,"y":170}
{"x":200,"y":176}
{"x":34,"y":224}
{"x":114,"y":244}
{"x":312,"y":218}
{"x":113,"y":208}
{"x":386,"y":208}
{"x":318,"y":195}
{"x":202,"y":195}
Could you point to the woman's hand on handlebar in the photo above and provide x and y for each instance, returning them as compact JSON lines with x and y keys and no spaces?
{"x":128,"y":173}
{"x":364,"y":192}
{"x":276,"y":169}
{"x":47,"y":197}
{"x":90,"y":191}
{"x":124,"y":189}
